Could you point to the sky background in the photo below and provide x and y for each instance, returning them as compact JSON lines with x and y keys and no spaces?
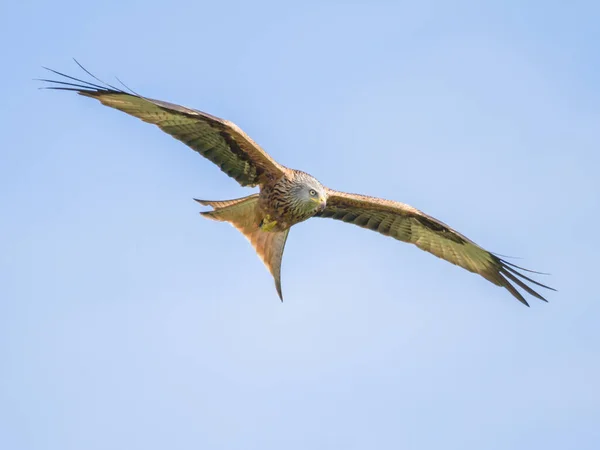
{"x":129,"y":322}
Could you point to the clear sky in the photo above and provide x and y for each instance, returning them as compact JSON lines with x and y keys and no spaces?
{"x":127,"y":321}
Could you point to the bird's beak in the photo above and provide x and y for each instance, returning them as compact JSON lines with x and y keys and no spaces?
{"x":322,"y":205}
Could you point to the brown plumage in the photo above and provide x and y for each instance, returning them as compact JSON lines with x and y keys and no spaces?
{"x":289,"y":196}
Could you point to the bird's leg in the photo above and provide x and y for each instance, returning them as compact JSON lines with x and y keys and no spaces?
{"x":266,"y":224}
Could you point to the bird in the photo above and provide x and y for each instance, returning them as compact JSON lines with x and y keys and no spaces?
{"x":287,"y":196}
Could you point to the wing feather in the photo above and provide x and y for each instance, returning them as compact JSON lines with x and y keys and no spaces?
{"x":408,"y":224}
{"x":218,"y":140}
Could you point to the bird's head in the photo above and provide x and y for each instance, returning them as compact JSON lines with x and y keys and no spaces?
{"x":310,"y":196}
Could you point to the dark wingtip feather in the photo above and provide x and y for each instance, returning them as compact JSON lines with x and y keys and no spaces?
{"x":523,"y":268}
{"x":507,"y":274}
{"x":84,"y":84}
{"x":96,"y":78}
{"x":81,"y":86}
{"x":519,"y":274}
{"x":522,"y":285}
{"x":127,"y":87}
{"x":510,"y":288}
{"x":502,"y":274}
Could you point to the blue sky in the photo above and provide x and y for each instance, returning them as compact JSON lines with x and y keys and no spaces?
{"x":127,"y":321}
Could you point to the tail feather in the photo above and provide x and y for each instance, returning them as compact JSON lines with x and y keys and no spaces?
{"x":222,"y":203}
{"x":242,"y":214}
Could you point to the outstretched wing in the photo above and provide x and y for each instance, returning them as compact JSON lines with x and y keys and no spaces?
{"x":408,"y":224}
{"x":218,"y":140}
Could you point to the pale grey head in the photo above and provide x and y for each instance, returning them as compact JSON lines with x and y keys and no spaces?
{"x":308,"y":196}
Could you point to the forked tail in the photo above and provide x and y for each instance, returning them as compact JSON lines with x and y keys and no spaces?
{"x":242,"y":214}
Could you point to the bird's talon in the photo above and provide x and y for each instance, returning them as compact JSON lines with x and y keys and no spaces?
{"x":267,"y":224}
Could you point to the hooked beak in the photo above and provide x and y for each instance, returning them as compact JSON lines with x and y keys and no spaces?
{"x":322,"y":205}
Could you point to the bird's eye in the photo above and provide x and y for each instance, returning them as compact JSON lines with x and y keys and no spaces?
{"x":312,"y":193}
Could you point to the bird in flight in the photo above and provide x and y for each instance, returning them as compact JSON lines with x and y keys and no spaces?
{"x":288,"y":196}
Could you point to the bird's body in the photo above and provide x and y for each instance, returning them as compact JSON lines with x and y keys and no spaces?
{"x":287,"y":197}
{"x":281,"y":203}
